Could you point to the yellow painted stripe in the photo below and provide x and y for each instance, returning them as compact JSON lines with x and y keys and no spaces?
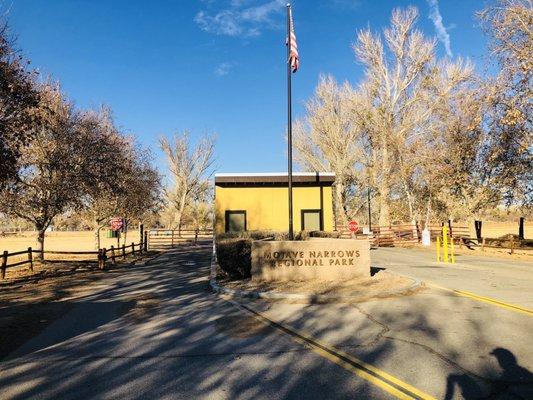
{"x":385,"y":381}
{"x":487,"y":300}
{"x":508,"y":306}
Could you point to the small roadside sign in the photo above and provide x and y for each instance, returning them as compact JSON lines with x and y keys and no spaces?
{"x":353,"y":226}
{"x":117,"y":224}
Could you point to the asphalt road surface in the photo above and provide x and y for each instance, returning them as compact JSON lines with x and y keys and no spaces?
{"x":156,"y":331}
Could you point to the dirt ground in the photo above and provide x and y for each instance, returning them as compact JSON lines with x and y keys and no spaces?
{"x":382,"y":284}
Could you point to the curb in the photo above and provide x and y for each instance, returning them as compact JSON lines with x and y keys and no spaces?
{"x":311,"y":298}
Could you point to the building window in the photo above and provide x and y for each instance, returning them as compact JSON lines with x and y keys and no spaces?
{"x":312,"y":220}
{"x":235,"y":221}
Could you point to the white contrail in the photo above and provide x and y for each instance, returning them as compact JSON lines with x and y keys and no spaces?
{"x":436,"y":18}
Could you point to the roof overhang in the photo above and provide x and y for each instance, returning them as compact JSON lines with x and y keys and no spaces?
{"x":276,"y":178}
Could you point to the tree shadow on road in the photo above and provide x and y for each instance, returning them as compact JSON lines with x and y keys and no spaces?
{"x":191,"y":343}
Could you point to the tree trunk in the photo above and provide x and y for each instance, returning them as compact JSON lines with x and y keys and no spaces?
{"x":40,"y":242}
{"x":409,"y":203}
{"x":340,"y":216}
{"x":125,"y":233}
{"x":384,"y":189}
{"x":97,"y":237}
{"x":428,"y":212}
{"x":180,"y":211}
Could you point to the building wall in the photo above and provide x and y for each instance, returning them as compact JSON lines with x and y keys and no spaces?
{"x":267,"y":207}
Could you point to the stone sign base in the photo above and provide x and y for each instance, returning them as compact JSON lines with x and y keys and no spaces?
{"x":325,"y":259}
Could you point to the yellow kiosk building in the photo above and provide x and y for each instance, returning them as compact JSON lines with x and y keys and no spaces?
{"x":259,"y":201}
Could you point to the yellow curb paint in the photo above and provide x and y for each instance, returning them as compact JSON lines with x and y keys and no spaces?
{"x":383,"y":380}
{"x":487,"y":300}
{"x":508,"y":306}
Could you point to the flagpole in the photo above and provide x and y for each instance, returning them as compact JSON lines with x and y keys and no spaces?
{"x":289,"y":119}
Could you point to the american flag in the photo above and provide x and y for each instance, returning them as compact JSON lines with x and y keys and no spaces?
{"x":294,"y":58}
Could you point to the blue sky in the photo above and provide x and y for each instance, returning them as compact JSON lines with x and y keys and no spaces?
{"x":215,"y":65}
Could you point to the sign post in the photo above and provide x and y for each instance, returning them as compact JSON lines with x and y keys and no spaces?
{"x":353,"y":226}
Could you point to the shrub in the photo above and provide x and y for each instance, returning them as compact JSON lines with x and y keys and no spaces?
{"x":322,"y":234}
{"x":234,"y":257}
{"x":234,"y":249}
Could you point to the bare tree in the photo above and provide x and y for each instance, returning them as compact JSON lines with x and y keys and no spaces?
{"x":397,"y":100}
{"x":142,"y":195}
{"x":328,"y":138}
{"x":508,"y":24}
{"x":115,"y":154}
{"x":189,"y":168}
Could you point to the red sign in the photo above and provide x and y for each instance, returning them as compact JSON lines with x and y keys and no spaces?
{"x":117,"y":224}
{"x":353,"y":226}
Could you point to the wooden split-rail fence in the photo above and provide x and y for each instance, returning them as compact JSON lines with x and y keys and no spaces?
{"x":411,"y":234}
{"x":386,"y":236}
{"x":405,"y":235}
{"x":170,"y":238}
{"x":102,"y":256}
{"x":153,"y":239}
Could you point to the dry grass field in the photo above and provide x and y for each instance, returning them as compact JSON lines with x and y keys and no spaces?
{"x":63,"y":241}
{"x":498,"y":229}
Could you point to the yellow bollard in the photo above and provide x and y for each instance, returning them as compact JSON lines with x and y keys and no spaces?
{"x":452,"y":250}
{"x":445,"y":244}
{"x":438,"y":248}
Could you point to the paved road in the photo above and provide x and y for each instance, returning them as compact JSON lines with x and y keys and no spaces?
{"x":157,"y":332}
{"x":506,"y":280}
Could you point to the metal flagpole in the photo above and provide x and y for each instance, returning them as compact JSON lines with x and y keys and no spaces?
{"x":369,"y":211}
{"x":289,"y":119}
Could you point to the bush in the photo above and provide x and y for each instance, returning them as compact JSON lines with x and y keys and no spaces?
{"x":234,"y":257}
{"x":322,"y":234}
{"x":234,"y":250}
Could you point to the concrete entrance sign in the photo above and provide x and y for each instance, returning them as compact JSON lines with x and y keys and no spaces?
{"x":326,"y":259}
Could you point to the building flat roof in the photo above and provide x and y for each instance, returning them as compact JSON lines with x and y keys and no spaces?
{"x":274,"y":178}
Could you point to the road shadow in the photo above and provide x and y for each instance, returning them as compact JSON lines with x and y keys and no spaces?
{"x":31,"y":327}
{"x":189,"y":343}
{"x":513,"y":380}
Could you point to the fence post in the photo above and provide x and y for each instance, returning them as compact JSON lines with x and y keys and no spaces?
{"x":145,"y":241}
{"x":172,"y":240}
{"x":113,"y":254}
{"x":483,"y":245}
{"x":133,"y":248}
{"x":445,"y":244}
{"x":4,"y":264}
{"x":521,"y":228}
{"x":196,"y":236}
{"x":99,"y":257}
{"x":104,"y":257}
{"x":123,"y":251}
{"x":450,"y":227}
{"x":477,"y":225}
{"x":30,"y":258}
{"x":141,"y":232}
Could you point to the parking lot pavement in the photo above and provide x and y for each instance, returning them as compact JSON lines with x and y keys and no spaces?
{"x":509,"y":281}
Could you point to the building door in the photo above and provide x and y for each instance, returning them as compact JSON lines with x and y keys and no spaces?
{"x":312,"y":220}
